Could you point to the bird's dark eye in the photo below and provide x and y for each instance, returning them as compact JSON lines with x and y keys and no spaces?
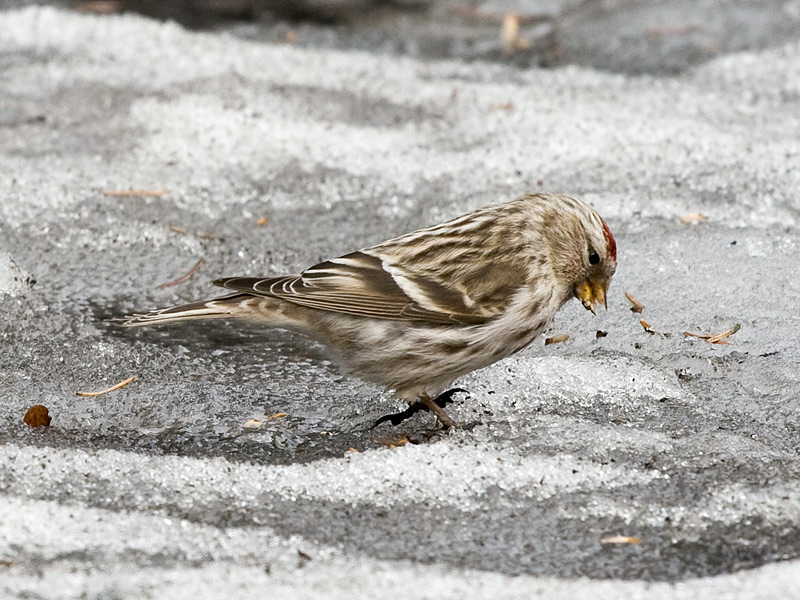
{"x":594,"y":258}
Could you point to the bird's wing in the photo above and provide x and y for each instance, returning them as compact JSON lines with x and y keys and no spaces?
{"x":355,"y":284}
{"x":369,"y":283}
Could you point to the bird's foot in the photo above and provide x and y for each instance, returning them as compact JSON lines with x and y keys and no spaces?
{"x":443,"y":417}
{"x":438,"y":403}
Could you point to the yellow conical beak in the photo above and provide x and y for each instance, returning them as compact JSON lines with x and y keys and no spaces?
{"x":591,"y":292}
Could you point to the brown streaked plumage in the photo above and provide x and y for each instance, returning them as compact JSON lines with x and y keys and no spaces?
{"x":416,"y":312}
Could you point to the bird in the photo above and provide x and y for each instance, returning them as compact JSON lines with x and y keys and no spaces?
{"x":418,"y":311}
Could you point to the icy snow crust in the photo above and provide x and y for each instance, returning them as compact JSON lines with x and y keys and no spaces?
{"x":159,"y":491}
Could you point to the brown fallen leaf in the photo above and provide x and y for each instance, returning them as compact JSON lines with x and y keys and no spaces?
{"x":278,"y":415}
{"x":207,"y":235}
{"x":717,"y":338}
{"x":353,"y":450}
{"x":509,"y":35}
{"x":183,"y":278}
{"x":392,"y":442}
{"x":693,"y":218}
{"x":649,"y":329}
{"x":637,"y":306}
{"x":117,"y":386}
{"x":620,"y":539}
{"x":600,"y":334}
{"x":556,"y":339}
{"x":262,"y":221}
{"x":503,"y":106}
{"x":37,"y":416}
{"x":150,"y":193}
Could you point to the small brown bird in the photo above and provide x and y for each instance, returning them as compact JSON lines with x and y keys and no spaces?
{"x":418,"y":311}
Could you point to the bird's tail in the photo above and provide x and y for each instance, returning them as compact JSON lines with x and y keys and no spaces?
{"x":218,"y":308}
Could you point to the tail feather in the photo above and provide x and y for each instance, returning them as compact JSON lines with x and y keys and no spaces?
{"x":218,"y":308}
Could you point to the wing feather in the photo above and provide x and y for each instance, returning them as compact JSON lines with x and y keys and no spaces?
{"x":450,"y":273}
{"x":355,"y":284}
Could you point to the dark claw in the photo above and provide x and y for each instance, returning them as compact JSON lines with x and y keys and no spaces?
{"x":397,"y":418}
{"x":446,"y":398}
{"x":442,"y":400}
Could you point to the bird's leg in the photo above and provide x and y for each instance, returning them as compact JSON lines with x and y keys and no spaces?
{"x":434,"y":407}
{"x":441,"y":400}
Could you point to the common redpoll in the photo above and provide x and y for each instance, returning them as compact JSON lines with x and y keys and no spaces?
{"x":418,"y":311}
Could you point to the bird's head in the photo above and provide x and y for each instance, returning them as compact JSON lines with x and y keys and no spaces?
{"x":583,"y":252}
{"x":600,"y":263}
